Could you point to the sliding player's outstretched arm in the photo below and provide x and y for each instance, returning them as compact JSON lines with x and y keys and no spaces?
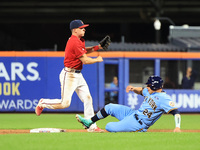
{"x":177,"y":118}
{"x":137,"y":90}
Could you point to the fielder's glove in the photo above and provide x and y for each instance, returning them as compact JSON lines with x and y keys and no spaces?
{"x":105,"y":42}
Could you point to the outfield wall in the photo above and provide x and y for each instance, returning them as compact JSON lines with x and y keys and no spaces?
{"x":25,"y":77}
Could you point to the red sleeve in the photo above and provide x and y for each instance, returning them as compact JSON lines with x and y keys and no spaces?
{"x":79,"y":49}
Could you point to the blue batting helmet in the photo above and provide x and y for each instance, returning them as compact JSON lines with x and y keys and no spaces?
{"x":155,"y":82}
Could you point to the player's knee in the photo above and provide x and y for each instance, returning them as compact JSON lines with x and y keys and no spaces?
{"x":109,"y":107}
{"x":87,"y":99}
{"x":110,"y":127}
{"x":65,"y":104}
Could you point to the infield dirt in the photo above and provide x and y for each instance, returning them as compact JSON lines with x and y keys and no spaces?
{"x":8,"y":131}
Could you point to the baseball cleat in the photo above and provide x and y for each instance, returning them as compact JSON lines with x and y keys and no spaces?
{"x":86,"y":122}
{"x":38,"y":110}
{"x":97,"y":130}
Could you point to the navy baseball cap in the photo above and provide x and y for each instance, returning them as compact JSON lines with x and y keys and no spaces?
{"x":77,"y":24}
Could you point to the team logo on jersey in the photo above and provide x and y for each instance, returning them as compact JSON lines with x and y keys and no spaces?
{"x":171,"y":103}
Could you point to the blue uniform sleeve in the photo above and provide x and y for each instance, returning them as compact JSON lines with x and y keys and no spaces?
{"x":167,"y":104}
{"x":145,"y":92}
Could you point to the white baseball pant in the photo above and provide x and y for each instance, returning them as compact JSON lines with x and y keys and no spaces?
{"x":71,"y":82}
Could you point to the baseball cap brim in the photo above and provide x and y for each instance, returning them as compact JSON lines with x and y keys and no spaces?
{"x":83,"y":26}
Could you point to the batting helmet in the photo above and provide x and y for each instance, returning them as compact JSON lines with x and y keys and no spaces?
{"x":155,"y":82}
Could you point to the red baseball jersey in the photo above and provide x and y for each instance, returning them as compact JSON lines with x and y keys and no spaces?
{"x":74,"y":49}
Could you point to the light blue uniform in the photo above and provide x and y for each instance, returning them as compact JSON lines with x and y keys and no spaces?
{"x":153,"y":106}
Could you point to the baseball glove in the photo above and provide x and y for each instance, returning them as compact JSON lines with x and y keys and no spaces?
{"x":105,"y":42}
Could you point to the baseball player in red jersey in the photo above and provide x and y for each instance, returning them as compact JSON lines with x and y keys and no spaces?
{"x":71,"y":78}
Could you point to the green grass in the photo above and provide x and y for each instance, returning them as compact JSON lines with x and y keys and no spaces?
{"x":68,"y":121}
{"x":94,"y":141}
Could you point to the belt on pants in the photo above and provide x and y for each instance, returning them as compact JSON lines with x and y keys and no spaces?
{"x":72,"y":70}
{"x":136,"y":117}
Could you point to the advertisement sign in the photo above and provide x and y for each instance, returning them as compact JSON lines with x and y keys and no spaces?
{"x":25,"y":80}
{"x":21,"y":83}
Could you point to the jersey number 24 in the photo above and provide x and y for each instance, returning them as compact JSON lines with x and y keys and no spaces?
{"x":145,"y":112}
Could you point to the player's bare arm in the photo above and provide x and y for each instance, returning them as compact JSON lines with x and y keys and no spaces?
{"x":87,"y":60}
{"x":137,"y":90}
